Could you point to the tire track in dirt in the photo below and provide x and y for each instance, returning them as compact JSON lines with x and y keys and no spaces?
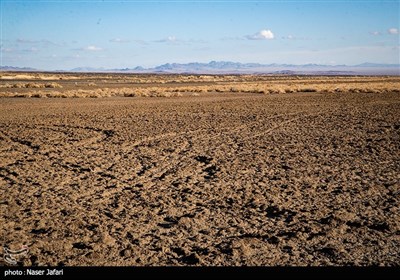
{"x":278,"y":126}
{"x":25,"y":143}
{"x":155,"y":173}
{"x":105,"y":134}
{"x":183,"y":153}
{"x":128,"y":146}
{"x":210,"y":166}
{"x":149,"y":173}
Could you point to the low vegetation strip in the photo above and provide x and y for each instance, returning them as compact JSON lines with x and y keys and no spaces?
{"x":93,"y":86}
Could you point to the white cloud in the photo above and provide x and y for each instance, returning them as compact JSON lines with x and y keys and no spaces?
{"x":92,"y":48}
{"x":264,"y":34}
{"x":171,"y":38}
{"x":119,"y":40}
{"x":375,"y":33}
{"x":393,"y":31}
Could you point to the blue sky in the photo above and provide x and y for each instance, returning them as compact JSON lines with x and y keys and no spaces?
{"x":52,"y":35}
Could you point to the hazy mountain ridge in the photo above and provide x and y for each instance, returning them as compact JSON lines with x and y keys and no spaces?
{"x":12,"y":68}
{"x":229,"y":67}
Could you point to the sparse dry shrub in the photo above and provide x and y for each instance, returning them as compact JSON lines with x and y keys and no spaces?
{"x":92,"y":84}
{"x":22,"y":95}
{"x":260,"y":91}
{"x":308,"y":89}
{"x":280,"y":90}
{"x":34,"y":85}
{"x":54,"y":94}
{"x":144,"y":94}
{"x":52,"y":85}
{"x":170,"y":94}
{"x":37,"y":95}
{"x":6,"y":85}
{"x":276,"y":90}
{"x":129,"y":94}
{"x":31,"y":85}
{"x":354,"y":90}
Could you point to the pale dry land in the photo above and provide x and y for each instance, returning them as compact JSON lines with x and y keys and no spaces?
{"x":63,"y":85}
{"x":215,"y":179}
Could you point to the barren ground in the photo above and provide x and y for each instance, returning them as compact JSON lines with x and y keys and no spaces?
{"x":215,"y":179}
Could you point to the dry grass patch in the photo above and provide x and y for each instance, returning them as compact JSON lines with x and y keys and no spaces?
{"x":31,"y":85}
{"x":171,"y":85}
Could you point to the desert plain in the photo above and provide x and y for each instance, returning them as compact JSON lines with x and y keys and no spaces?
{"x":204,"y":170}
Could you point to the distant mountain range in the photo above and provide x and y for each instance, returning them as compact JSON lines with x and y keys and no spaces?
{"x":228,"y":67}
{"x":22,"y":69}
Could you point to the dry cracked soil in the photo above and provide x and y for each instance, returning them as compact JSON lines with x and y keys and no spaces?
{"x":216,"y":179}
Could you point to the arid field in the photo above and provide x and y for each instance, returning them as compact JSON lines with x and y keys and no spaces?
{"x":251,"y":170}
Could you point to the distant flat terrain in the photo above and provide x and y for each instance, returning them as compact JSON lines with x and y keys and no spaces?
{"x":96,"y":85}
{"x":215,"y":179}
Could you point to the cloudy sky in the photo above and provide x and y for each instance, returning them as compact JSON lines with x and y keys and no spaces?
{"x":62,"y":34}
